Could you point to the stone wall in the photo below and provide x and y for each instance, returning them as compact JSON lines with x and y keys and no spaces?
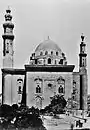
{"x":76,"y":78}
{"x":10,"y":89}
{"x":47,"y":90}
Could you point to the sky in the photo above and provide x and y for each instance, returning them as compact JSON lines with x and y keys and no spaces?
{"x":62,"y":20}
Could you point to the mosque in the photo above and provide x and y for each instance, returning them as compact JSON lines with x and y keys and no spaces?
{"x":46,"y":74}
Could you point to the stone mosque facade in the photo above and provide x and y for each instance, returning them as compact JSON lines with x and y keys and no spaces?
{"x":46,"y":74}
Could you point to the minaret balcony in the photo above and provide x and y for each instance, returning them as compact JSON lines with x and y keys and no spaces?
{"x":8,"y":24}
{"x":8,"y":36}
{"x":83,"y":54}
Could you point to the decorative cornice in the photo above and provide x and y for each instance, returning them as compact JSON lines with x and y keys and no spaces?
{"x":49,"y":68}
{"x":13,"y":71}
{"x":40,"y":68}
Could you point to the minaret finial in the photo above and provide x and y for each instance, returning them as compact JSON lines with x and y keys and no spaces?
{"x":8,"y":16}
{"x":82,"y":37}
{"x":8,"y":9}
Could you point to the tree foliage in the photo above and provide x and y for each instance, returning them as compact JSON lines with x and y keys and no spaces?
{"x":56,"y":106}
{"x":60,"y":100}
{"x":20,"y":117}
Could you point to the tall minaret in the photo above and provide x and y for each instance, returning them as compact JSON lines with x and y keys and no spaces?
{"x":83,"y":74}
{"x":8,"y":38}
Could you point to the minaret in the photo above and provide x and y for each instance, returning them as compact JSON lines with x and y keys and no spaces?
{"x":8,"y":38}
{"x":83,"y":74}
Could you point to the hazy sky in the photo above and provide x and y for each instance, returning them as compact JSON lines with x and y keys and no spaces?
{"x":62,"y":20}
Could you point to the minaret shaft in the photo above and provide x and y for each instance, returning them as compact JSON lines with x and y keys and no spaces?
{"x":83,"y":75}
{"x":8,"y":38}
{"x":7,"y":79}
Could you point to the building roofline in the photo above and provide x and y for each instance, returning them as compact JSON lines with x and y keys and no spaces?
{"x":76,"y":72}
{"x":49,"y":68}
{"x":13,"y":71}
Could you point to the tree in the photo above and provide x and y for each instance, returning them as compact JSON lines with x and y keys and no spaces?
{"x":57,"y":104}
{"x":20,"y":117}
{"x":58,"y":99}
{"x":14,"y":106}
{"x":5,"y":110}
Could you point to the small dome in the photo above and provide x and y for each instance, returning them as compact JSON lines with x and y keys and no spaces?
{"x":48,"y":45}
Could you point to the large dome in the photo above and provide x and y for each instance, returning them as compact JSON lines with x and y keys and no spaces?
{"x":48,"y":53}
{"x":47,"y":45}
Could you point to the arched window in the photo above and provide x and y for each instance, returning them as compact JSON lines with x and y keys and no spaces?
{"x":19,"y":90}
{"x":51,"y":52}
{"x":20,"y":85}
{"x":49,"y":61}
{"x":60,"y":89}
{"x":57,"y":53}
{"x":61,"y":85}
{"x":35,"y":61}
{"x":61,"y":62}
{"x":38,"y":89}
{"x":63,"y":54}
{"x":46,"y":52}
{"x":41,"y":53}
